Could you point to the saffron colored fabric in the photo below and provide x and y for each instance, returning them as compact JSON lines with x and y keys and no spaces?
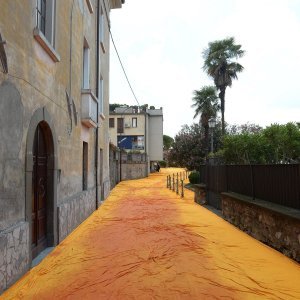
{"x":145,"y":242}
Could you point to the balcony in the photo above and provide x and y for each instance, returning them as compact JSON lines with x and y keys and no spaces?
{"x":88,"y":108}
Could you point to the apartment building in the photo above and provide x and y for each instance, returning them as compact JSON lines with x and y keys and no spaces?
{"x":136,"y":130}
{"x":54,"y":111}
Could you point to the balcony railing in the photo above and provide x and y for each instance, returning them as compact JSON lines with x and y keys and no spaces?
{"x":88,"y":108}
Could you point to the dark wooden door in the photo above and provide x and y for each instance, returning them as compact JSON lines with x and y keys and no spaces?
{"x":39,"y":193}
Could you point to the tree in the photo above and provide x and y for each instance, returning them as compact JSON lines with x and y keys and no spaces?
{"x":275,"y":144}
{"x":283,"y":142}
{"x":219,"y":64}
{"x":168,"y":141}
{"x":206,"y":105}
{"x":187,"y":150}
{"x":243,"y":128}
{"x":113,"y":106}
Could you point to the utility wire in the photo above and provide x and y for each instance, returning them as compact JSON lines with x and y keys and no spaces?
{"x":112,"y":39}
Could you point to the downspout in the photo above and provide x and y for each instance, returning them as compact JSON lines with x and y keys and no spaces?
{"x":97,"y":95}
{"x":70,"y":67}
{"x":145,"y":140}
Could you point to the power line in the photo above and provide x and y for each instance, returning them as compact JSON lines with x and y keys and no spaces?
{"x":112,"y":39}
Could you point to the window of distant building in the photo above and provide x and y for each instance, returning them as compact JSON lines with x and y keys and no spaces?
{"x":134,"y":122}
{"x":86,"y":66}
{"x":111,"y":122}
{"x":44,"y":32}
{"x":120,"y":125}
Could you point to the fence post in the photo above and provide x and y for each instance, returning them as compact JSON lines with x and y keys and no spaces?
{"x":173,"y":183}
{"x":177,"y":190}
{"x":182,"y":192}
{"x":252,"y":182}
{"x":170,"y":182}
{"x":226,"y":175}
{"x":167,"y":181}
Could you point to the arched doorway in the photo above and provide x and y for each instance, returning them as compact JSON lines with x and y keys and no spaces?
{"x":41,"y":183}
{"x":39,"y":192}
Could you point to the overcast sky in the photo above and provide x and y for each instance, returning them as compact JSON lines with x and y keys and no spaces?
{"x":161,"y":43}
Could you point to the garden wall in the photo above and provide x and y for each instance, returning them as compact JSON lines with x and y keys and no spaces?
{"x":272,"y":224}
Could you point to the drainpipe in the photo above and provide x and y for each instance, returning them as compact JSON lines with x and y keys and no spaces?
{"x":145,"y":140}
{"x":70,"y":104}
{"x":97,"y":95}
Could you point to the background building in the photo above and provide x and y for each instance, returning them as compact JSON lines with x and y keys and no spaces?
{"x":138,"y":131}
{"x":54,"y":107}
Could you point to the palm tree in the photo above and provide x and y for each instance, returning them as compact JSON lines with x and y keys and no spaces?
{"x":207,"y":104}
{"x":219,"y":64}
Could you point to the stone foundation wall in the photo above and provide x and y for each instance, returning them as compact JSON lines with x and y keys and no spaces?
{"x":14,"y":256}
{"x":199,"y":193}
{"x":106,"y":189}
{"x":74,"y":211}
{"x":134,"y":170}
{"x":278,"y":230}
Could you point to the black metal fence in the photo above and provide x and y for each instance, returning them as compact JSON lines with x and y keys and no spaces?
{"x":274,"y":183}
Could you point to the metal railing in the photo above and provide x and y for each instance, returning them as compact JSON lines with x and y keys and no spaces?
{"x":278,"y":183}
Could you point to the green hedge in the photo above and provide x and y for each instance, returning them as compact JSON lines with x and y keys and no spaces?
{"x":194,"y":177}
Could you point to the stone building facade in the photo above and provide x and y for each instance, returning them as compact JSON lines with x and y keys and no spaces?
{"x":54,"y":108}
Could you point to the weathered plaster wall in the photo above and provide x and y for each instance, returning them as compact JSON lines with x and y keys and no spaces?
{"x":42,"y":82}
{"x":279,"y":231}
{"x":35,"y":81}
{"x":11,"y":162}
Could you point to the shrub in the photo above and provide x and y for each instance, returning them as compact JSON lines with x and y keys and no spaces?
{"x":194,"y":177}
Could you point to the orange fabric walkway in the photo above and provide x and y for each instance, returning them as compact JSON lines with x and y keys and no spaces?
{"x":145,"y":242}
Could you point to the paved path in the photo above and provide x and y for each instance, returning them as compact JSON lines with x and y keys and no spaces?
{"x":146,"y":243}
